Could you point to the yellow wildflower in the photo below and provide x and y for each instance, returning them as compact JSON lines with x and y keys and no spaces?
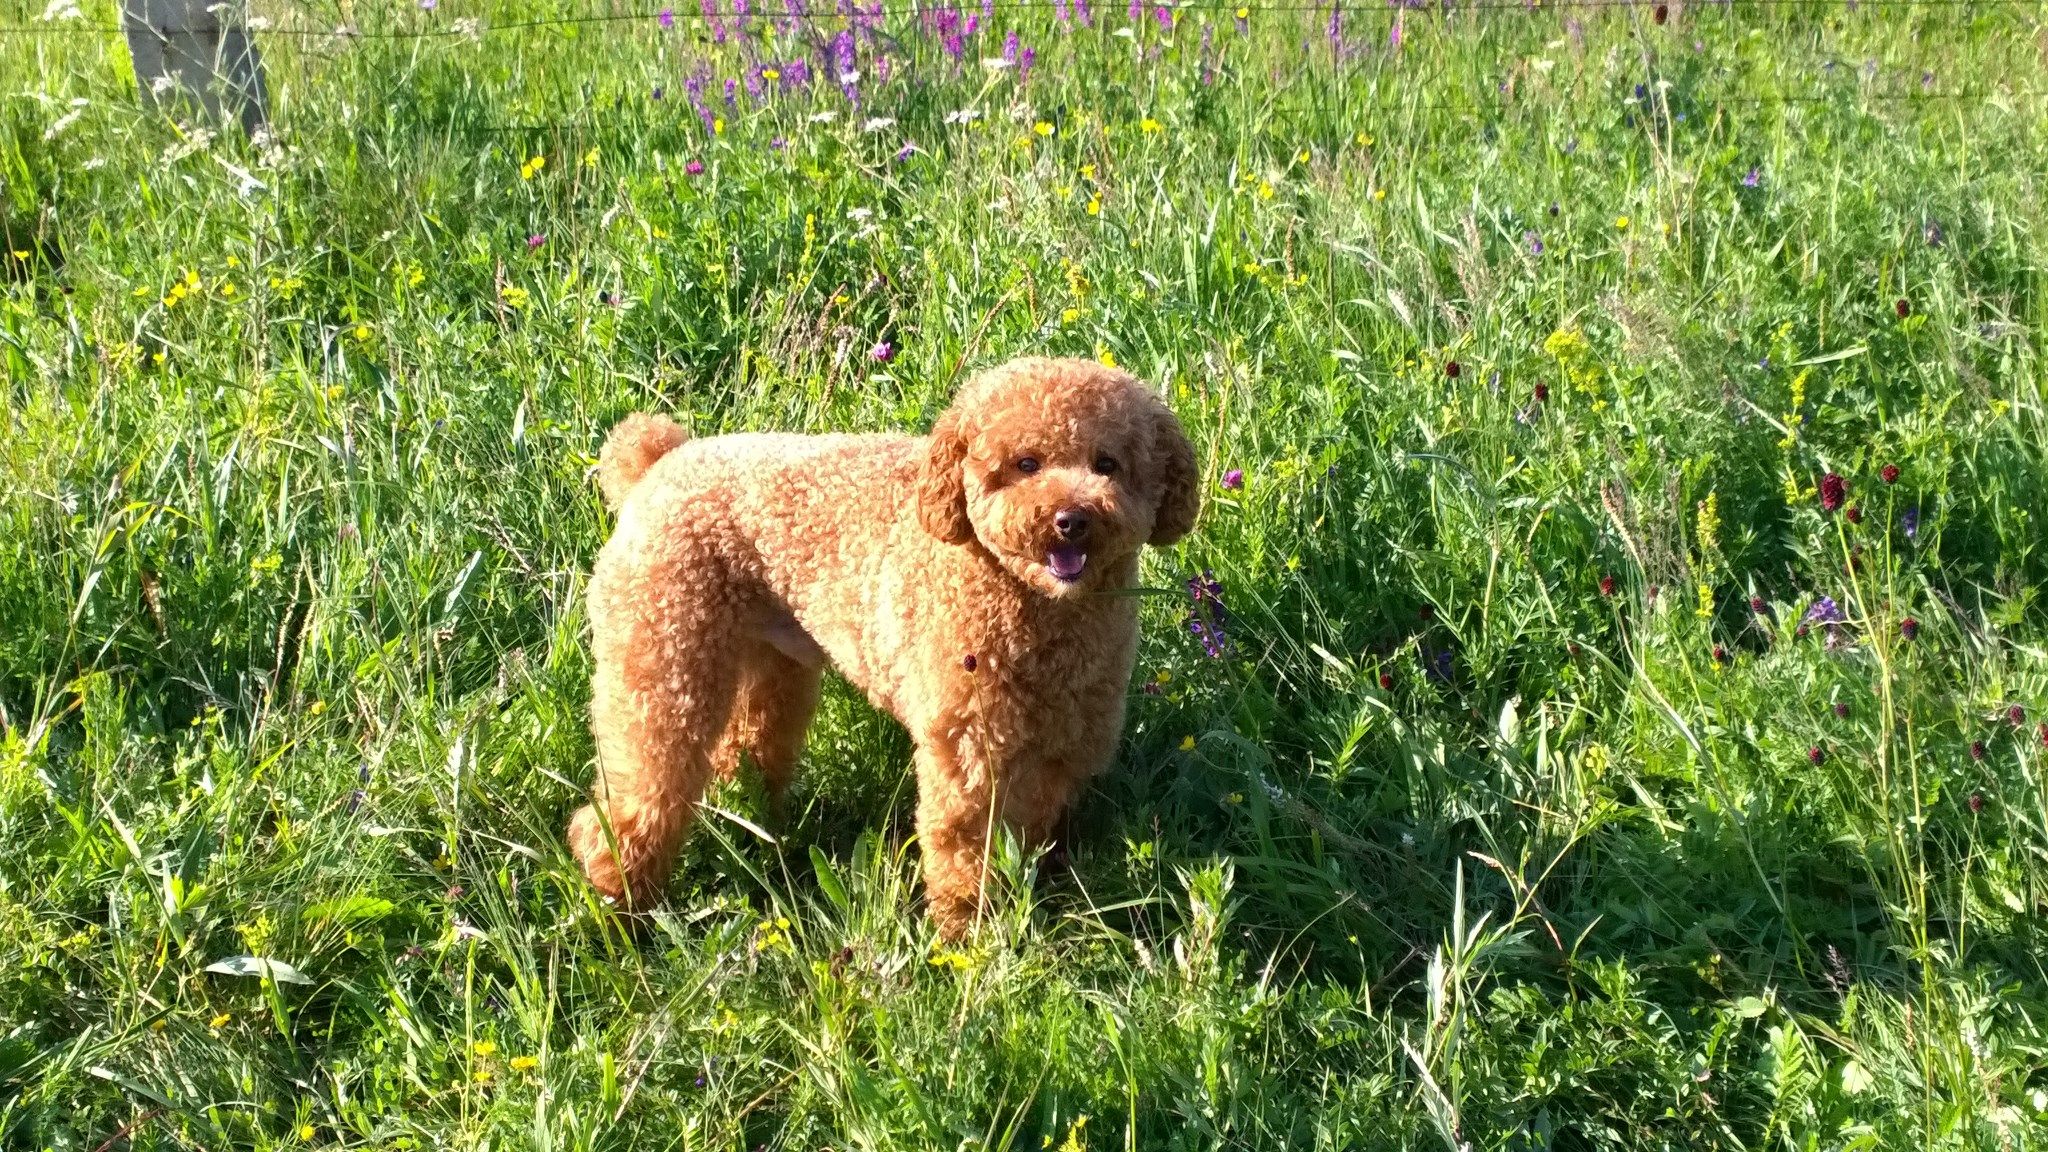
{"x":1042,"y":128}
{"x":1148,"y":124}
{"x":484,"y":1048}
{"x":1187,"y":743}
{"x":523,"y":1063}
{"x":1621,"y":223}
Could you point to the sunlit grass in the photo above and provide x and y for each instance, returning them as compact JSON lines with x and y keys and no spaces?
{"x":1528,"y":798}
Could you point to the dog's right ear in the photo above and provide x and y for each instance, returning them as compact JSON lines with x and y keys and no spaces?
{"x":942,"y":483}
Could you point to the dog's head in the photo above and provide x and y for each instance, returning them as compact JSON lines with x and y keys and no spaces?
{"x":1061,"y":469}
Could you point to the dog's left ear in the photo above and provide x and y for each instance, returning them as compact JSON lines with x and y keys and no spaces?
{"x":942,"y":485}
{"x":1179,"y":500}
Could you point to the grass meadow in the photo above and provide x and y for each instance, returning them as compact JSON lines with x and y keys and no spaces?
{"x":1625,"y":462}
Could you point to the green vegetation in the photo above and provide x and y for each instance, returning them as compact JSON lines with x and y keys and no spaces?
{"x":1504,"y":819}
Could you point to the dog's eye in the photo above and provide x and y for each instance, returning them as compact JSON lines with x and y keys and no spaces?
{"x":1105,"y":465}
{"x":1027,"y":465}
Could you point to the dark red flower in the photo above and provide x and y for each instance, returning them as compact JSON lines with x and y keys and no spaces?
{"x":1542,"y":393}
{"x":1452,"y":369}
{"x":1909,"y":627}
{"x":1889,"y":473}
{"x":1904,"y":308}
{"x":1720,"y":654}
{"x":1662,"y":13}
{"x":1855,"y":513}
{"x":2016,"y":716}
{"x":1976,"y":749}
{"x":1607,"y":585}
{"x":1573,"y":648}
{"x":1386,"y":681}
{"x":2042,"y":732}
{"x":969,"y":662}
{"x":1799,"y":633}
{"x":1833,"y":491}
{"x":1815,"y":755}
{"x":1841,"y":709}
{"x":1756,"y":605}
{"x":1976,"y":802}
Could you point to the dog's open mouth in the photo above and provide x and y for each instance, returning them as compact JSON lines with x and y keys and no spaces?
{"x":1066,"y":562}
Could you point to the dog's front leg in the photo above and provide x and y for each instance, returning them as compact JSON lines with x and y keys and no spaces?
{"x":956,"y":829}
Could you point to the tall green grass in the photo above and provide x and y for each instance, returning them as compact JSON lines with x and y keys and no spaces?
{"x":1505,"y":820}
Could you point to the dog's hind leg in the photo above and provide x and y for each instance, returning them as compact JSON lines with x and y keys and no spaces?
{"x":771,"y":713}
{"x":666,"y":641}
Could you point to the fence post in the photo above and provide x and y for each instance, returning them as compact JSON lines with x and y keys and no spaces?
{"x":202,"y":46}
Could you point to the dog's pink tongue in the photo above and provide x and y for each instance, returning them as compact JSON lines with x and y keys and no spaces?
{"x":1066,"y":562}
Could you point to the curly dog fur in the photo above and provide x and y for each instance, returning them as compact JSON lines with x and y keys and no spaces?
{"x":965,"y":581}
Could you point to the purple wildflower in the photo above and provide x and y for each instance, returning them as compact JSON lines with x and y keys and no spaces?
{"x":777,"y":144}
{"x":1394,"y":33}
{"x":795,"y":75}
{"x":1909,"y":522}
{"x":536,"y":240}
{"x":1136,"y":11}
{"x":843,"y":59}
{"x":732,"y":92}
{"x":1233,"y":480}
{"x":1207,"y":618}
{"x":694,"y":168}
{"x":1061,"y":13}
{"x":908,"y":150}
{"x":1535,"y":243}
{"x":1825,"y":611}
{"x":428,"y":5}
{"x":1024,"y":64}
{"x":739,"y":9}
{"x":667,"y":18}
{"x":659,"y":92}
{"x":753,"y":82}
{"x":1010,"y":48}
{"x":1334,"y":31}
{"x":1440,"y":666}
{"x":710,"y":10}
{"x":1753,"y":178}
{"x":1165,"y":17}
{"x":1084,"y":13}
{"x":882,"y":352}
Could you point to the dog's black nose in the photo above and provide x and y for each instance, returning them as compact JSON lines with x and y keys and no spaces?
{"x":1071,"y":523}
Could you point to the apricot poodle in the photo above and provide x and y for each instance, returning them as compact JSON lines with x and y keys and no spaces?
{"x":968,"y":581}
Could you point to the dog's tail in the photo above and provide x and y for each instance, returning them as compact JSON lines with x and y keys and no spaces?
{"x":631,"y":449}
